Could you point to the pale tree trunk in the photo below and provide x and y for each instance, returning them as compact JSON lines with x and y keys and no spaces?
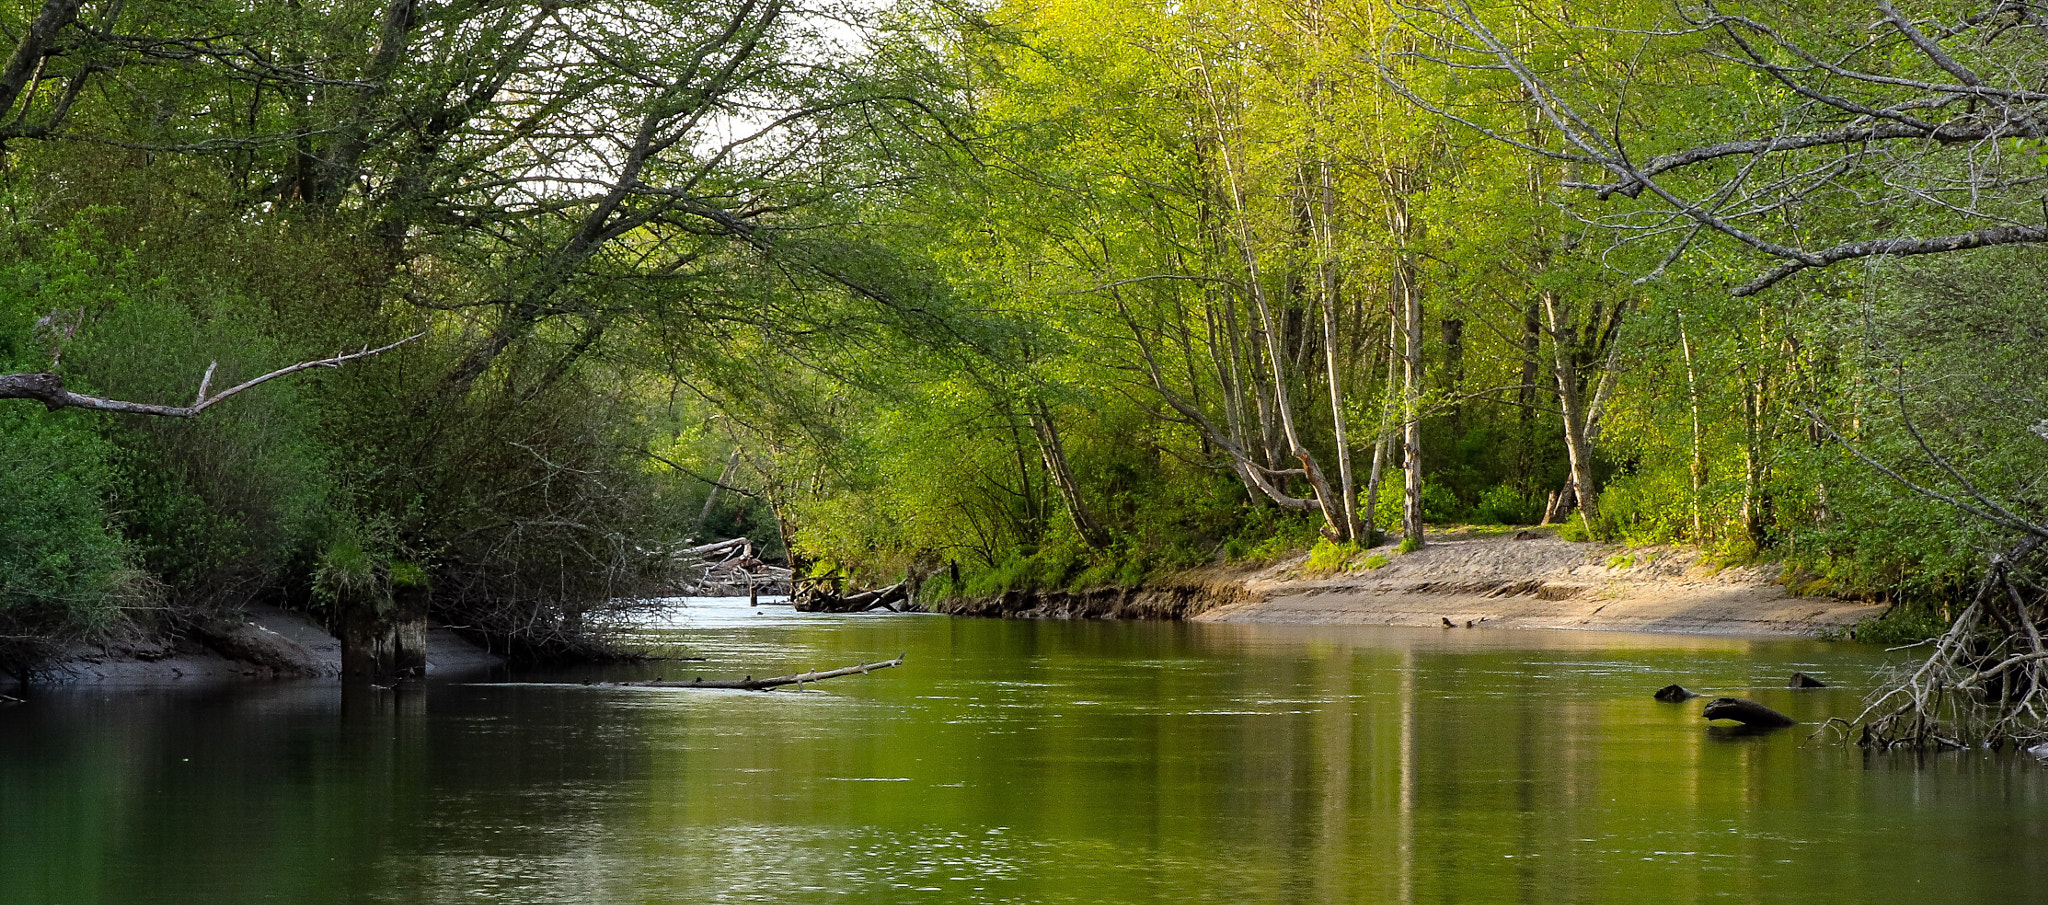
{"x":1699,"y":455}
{"x":1570,"y":397}
{"x":1257,"y":477}
{"x":1255,"y":279}
{"x":1752,"y":462}
{"x":732,"y":463}
{"x":1327,"y":267}
{"x":1411,"y":430}
{"x":1055,"y":455}
{"x":1525,"y":401}
{"x":1408,"y":298}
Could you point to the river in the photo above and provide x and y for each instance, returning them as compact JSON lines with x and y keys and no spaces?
{"x":1015,"y":761}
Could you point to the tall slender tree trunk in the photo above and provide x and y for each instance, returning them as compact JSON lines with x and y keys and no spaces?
{"x":1752,"y":460}
{"x":1408,"y":298}
{"x":1699,"y":454}
{"x":1327,"y":267}
{"x":1756,"y":500}
{"x":1570,"y":397}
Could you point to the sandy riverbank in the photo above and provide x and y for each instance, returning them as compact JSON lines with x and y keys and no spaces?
{"x":1536,"y":580}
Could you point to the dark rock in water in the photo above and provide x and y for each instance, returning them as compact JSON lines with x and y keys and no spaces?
{"x":1675,"y":694}
{"x":1746,"y":712}
{"x":1528,"y":535}
{"x":1802,"y":680}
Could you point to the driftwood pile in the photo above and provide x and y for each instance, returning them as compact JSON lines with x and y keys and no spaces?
{"x":728,"y":568}
{"x":817,"y":598}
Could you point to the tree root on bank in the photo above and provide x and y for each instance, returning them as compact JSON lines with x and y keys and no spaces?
{"x":1986,"y":682}
{"x":752,"y":684}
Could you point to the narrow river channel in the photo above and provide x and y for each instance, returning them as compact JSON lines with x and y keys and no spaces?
{"x":1027,"y":762}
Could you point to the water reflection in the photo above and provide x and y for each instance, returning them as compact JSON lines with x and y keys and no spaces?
{"x":1017,"y":762}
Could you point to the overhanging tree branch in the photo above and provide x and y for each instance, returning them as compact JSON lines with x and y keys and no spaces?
{"x":48,"y":388}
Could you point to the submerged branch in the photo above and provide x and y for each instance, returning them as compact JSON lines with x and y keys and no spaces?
{"x":752,"y":684}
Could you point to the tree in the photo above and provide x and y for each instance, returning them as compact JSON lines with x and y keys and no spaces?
{"x":1932,"y":123}
{"x":1918,"y":136}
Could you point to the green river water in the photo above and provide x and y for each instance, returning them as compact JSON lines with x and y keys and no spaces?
{"x":1014,"y":761}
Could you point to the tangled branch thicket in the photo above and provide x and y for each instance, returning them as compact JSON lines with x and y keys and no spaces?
{"x":1983,"y":685}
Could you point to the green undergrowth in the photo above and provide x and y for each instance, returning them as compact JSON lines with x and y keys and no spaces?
{"x":1907,"y":623}
{"x":1329,"y":558}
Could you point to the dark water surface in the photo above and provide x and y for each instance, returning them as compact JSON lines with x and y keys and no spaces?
{"x":1020,"y":762}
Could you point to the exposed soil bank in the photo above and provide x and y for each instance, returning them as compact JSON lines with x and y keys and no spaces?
{"x":269,"y":644}
{"x":1184,"y":596}
{"x":1529,"y":579}
{"x":1535,"y":580}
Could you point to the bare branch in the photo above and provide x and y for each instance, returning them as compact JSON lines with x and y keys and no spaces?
{"x":48,"y":388}
{"x":1900,"y":247}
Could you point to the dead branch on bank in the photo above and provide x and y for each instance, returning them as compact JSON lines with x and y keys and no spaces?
{"x":48,"y":388}
{"x":752,"y":684}
{"x":816,"y":598}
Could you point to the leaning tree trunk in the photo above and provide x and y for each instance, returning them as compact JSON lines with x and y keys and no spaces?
{"x":1054,"y":454}
{"x":1331,"y":508}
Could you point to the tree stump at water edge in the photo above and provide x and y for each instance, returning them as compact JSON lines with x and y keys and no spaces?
{"x":383,"y":626}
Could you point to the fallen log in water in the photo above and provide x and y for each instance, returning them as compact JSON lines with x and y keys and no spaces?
{"x":1746,"y":712}
{"x":752,"y":684}
{"x":1802,"y":680}
{"x":1675,"y":694}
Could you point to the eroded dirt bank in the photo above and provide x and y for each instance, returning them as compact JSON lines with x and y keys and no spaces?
{"x":1184,"y":596}
{"x":269,"y":643}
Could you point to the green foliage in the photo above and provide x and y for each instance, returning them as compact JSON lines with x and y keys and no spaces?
{"x":1502,"y":504}
{"x":61,"y":564}
{"x":1046,"y":373}
{"x":346,"y":570}
{"x":409,"y":576}
{"x":1904,"y":624}
{"x":1574,"y":530}
{"x":1326,"y":558}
